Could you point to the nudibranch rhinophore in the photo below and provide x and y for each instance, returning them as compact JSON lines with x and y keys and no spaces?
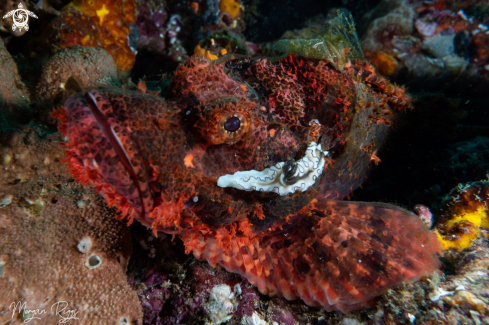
{"x":248,"y":160}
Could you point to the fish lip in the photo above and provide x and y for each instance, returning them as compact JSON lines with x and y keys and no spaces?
{"x":305,"y":172}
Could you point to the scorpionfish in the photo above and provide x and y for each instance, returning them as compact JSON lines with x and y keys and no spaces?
{"x":248,"y":160}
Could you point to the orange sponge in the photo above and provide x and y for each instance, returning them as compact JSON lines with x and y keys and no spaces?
{"x":232,"y":7}
{"x":102,"y":24}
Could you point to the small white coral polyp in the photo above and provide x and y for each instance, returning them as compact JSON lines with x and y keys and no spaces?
{"x":93,"y":262}
{"x":84,"y":245}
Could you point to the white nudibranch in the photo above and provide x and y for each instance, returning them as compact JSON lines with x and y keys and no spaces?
{"x":284,"y":178}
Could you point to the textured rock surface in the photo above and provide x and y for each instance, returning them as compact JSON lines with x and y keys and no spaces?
{"x":24,"y":157}
{"x":12,"y":91}
{"x":14,"y":96}
{"x":60,"y":246}
{"x":88,"y":66}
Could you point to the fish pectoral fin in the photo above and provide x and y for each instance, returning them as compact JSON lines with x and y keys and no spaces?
{"x":340,"y":257}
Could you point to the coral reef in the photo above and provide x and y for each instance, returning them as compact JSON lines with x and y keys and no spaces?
{"x":218,"y":15}
{"x":152,"y":20}
{"x":23,"y":162}
{"x":221,"y":43}
{"x":166,"y":301}
{"x":194,"y":292}
{"x":159,"y":31}
{"x":170,"y":31}
{"x":62,"y":252}
{"x":231,"y":7}
{"x":431,"y":42}
{"x":73,"y":69}
{"x":159,"y":264}
{"x":337,"y":45}
{"x":397,"y":21}
{"x":465,"y":214}
{"x":14,"y":95}
{"x":105,"y":24}
{"x":394,"y":36}
{"x":458,"y":298}
{"x":424,"y":214}
{"x":243,"y":159}
{"x":219,"y":306}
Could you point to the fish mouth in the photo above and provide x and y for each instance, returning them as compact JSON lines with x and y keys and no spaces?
{"x":102,"y":152}
{"x":285,"y":178}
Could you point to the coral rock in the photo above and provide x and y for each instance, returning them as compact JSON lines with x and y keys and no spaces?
{"x":466,"y":299}
{"x":104,"y":24}
{"x":399,"y":20}
{"x":232,"y":7}
{"x":25,"y":158}
{"x":13,"y":91}
{"x":220,"y":305}
{"x":76,"y":67}
{"x":57,"y":258}
{"x":152,"y":23}
{"x":465,"y":213}
{"x":14,"y":96}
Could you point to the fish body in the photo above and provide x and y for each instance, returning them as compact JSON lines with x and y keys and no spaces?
{"x":249,"y":167}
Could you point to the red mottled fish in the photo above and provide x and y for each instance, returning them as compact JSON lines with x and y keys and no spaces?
{"x":248,"y":160}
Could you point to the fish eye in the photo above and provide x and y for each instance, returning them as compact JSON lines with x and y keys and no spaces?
{"x":232,"y":126}
{"x":221,"y":122}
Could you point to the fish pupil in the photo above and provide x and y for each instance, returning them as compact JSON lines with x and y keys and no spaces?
{"x":232,"y":124}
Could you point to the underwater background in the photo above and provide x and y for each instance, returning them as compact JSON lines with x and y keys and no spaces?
{"x":244,"y":162}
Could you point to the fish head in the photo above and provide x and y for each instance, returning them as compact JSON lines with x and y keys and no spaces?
{"x":223,"y":146}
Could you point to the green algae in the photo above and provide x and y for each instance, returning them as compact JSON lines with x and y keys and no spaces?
{"x":338,"y":43}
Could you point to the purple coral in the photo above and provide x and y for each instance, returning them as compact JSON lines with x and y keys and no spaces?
{"x":248,"y":299}
{"x":154,"y":296}
{"x":424,"y":214}
{"x":151,"y":22}
{"x":281,"y":313}
{"x":159,"y":31}
{"x":163,"y":306}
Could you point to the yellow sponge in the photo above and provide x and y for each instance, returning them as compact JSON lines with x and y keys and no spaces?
{"x":466,"y":212}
